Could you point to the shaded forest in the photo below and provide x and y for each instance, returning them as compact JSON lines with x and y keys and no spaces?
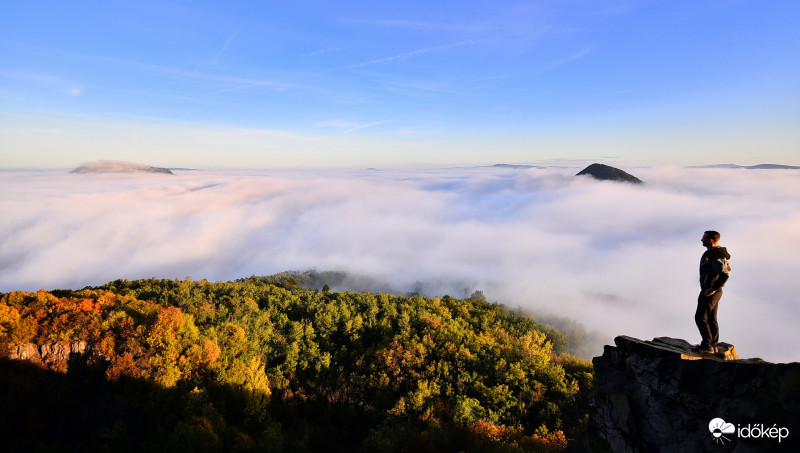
{"x":261,"y":364}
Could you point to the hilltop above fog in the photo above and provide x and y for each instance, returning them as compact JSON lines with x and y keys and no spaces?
{"x":111,"y":166}
{"x":608,"y":173}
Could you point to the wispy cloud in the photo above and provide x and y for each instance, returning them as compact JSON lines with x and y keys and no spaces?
{"x":424,"y":87}
{"x":423,"y":25}
{"x":338,"y":122}
{"x":363,"y":126}
{"x":53,"y":83}
{"x":407,"y":55}
{"x":570,"y":58}
{"x":278,"y":83}
{"x":349,"y":126}
{"x":321,"y":52}
{"x":224,"y":49}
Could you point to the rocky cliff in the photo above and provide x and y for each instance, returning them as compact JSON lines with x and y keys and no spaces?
{"x":659,"y":396}
{"x":54,"y":356}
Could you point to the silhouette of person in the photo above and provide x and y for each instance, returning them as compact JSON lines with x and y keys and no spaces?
{"x":714,"y":270}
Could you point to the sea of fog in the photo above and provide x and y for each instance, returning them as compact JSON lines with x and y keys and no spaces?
{"x":618,"y":258}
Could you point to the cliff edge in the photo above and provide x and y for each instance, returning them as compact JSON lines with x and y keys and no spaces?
{"x":659,"y":396}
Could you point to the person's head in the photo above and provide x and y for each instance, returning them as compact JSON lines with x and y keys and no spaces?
{"x":710,"y":238}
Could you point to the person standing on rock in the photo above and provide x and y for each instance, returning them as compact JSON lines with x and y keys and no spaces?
{"x":714,"y":270}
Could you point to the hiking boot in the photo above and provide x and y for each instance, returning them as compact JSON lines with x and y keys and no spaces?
{"x":704,"y":349}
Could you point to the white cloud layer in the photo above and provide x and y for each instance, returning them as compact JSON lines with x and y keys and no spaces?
{"x":621,"y":259}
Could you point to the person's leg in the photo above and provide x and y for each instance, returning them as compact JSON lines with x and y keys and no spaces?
{"x":701,"y":318}
{"x":712,"y":317}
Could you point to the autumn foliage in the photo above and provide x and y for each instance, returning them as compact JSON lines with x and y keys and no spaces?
{"x":261,"y":364}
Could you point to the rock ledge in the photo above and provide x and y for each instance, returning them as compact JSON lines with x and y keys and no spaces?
{"x":659,"y":396}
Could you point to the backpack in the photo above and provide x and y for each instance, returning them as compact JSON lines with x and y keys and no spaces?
{"x":717,"y":271}
{"x":722,"y":266}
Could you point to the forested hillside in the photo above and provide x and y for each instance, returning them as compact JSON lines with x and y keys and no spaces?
{"x":261,"y":364}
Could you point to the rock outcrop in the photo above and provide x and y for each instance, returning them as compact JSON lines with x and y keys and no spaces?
{"x":54,"y":356}
{"x":659,"y":396}
{"x":608,"y":173}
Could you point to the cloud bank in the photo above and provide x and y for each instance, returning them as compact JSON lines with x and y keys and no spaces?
{"x":620,"y":259}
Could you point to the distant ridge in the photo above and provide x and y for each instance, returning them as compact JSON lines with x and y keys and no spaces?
{"x":608,"y":173}
{"x":524,"y":166}
{"x":513,"y":166}
{"x":112,"y":166}
{"x":751,"y":167}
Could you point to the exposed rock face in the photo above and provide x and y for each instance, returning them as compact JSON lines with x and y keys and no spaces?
{"x":110,"y":166}
{"x":659,"y":396}
{"x":55,"y":356}
{"x":608,"y":173}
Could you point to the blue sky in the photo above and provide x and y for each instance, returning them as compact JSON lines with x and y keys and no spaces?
{"x":387,"y":84}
